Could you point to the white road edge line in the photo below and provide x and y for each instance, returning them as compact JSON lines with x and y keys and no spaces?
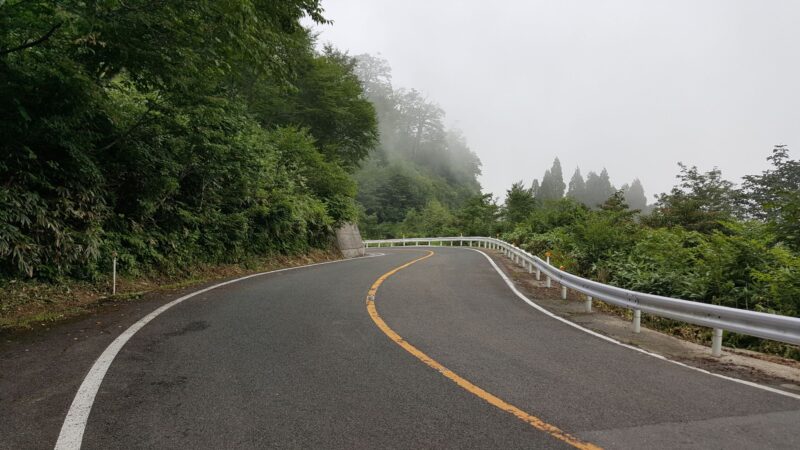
{"x":71,"y":435}
{"x":522,"y":296}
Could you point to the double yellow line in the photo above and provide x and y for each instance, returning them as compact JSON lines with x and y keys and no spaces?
{"x":534,"y":421}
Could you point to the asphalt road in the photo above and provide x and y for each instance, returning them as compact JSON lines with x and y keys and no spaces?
{"x":294,"y":360}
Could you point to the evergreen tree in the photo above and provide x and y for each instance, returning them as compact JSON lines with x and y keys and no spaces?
{"x":577,"y":187}
{"x":598,"y":189}
{"x":634,"y":196}
{"x":519,"y":203}
{"x":535,"y":188}
{"x":553,"y":185}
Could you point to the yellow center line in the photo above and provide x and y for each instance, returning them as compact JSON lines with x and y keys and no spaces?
{"x":534,"y":421}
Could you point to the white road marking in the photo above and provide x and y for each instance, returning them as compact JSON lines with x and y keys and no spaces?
{"x":71,"y":435}
{"x":522,"y":296}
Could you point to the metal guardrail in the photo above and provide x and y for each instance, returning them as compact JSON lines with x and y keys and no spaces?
{"x":768,"y":326}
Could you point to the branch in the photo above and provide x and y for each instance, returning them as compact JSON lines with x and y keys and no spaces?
{"x":130,"y":130}
{"x":30,"y":44}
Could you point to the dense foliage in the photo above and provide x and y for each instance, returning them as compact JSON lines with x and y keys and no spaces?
{"x":707,"y":240}
{"x":171,"y":133}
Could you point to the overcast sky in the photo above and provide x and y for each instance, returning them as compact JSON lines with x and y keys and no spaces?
{"x":632,"y":86}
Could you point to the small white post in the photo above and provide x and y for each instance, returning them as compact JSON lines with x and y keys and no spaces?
{"x":538,"y":274}
{"x":530,"y":267}
{"x":563,"y":292}
{"x":588,"y":303}
{"x":716,"y":343}
{"x":548,"y":276}
{"x":114,"y":275}
{"x":549,"y":282}
{"x":637,"y":320}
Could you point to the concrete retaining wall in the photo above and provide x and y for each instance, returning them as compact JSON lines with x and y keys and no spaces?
{"x":348,"y":239}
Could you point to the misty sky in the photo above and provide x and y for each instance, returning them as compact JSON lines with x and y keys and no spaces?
{"x":633,"y":86}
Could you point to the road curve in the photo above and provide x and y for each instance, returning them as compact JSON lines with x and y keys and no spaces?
{"x":295,"y":360}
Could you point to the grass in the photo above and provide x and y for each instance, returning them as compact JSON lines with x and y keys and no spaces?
{"x":28,"y":304}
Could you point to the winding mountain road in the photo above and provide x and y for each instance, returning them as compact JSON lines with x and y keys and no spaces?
{"x":413,"y":348}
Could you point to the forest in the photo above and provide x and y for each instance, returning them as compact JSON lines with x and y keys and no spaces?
{"x":420,"y":171}
{"x":171,"y":134}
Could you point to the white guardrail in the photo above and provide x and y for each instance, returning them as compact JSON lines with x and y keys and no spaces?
{"x":768,"y":326}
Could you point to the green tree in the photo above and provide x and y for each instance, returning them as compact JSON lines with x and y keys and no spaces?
{"x":634,"y":196}
{"x":519,"y":203}
{"x":552,"y":187}
{"x":774,"y":196}
{"x":432,"y":220}
{"x":577,"y":186}
{"x":598,"y":189}
{"x":700,"y":202}
{"x":478,"y":216}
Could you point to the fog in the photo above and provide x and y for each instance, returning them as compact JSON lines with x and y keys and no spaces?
{"x":631,"y":86}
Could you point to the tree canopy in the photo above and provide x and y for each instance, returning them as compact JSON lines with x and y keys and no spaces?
{"x":171,"y":133}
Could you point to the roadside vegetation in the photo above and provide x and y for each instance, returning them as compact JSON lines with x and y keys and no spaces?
{"x":174,"y":136}
{"x":707,"y":240}
{"x":171,"y":135}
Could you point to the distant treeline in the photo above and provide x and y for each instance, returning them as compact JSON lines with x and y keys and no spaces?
{"x":592,"y":192}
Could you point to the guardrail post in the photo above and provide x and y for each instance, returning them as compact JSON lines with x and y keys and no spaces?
{"x":538,"y":274}
{"x":563,"y":292}
{"x":637,"y":320}
{"x":716,"y":343}
{"x":549,"y":282}
{"x":588,"y":304}
{"x":530,"y":267}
